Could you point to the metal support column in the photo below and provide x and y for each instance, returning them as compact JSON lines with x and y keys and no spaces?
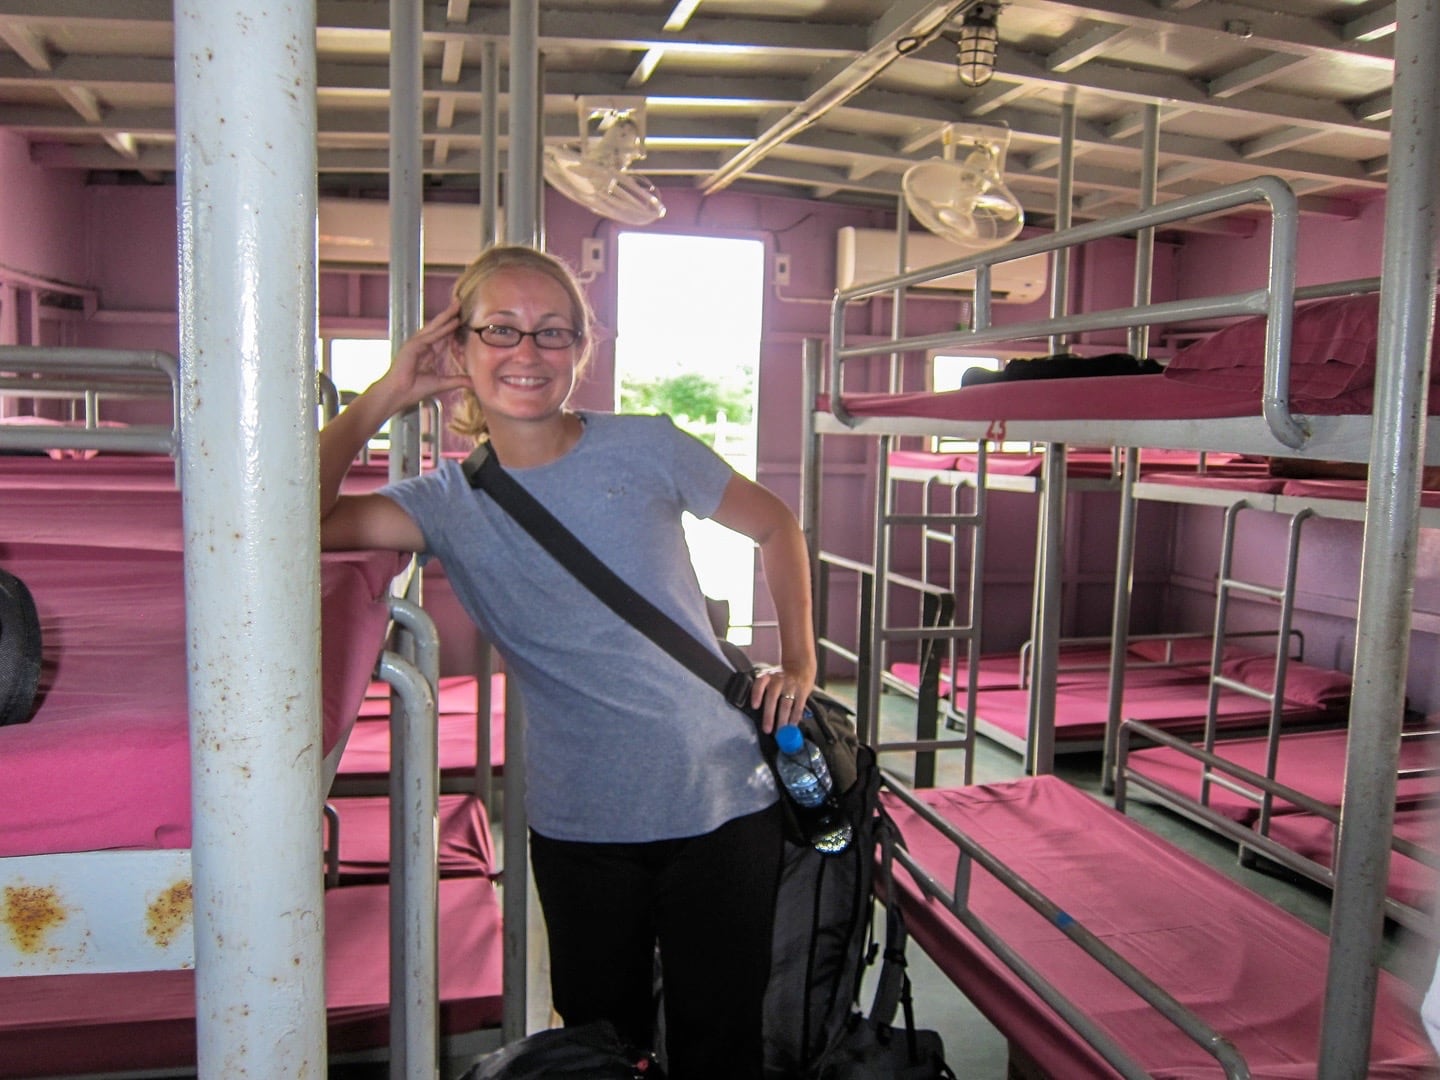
{"x":521,"y":226}
{"x":1139,"y":340}
{"x":1050,"y":535}
{"x":1387,"y":577}
{"x":489,"y":143}
{"x":245,"y":112}
{"x":810,"y":461}
{"x":407,"y":276}
{"x":514,"y":910}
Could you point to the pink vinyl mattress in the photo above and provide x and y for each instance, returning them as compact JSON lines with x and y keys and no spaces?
{"x":1001,"y":671}
{"x":1169,"y":698}
{"x":465,"y":846}
{"x":1119,"y":398}
{"x":1312,"y":762}
{"x":367,"y":750}
{"x":120,"y":502}
{"x":104,"y":762}
{"x":1252,"y":971}
{"x":1079,"y":462}
{"x":54,"y":1025}
{"x":1410,"y":882}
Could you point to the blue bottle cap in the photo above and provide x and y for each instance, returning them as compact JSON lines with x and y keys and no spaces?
{"x":789,"y":738}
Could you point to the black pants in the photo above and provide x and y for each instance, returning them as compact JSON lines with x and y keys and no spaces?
{"x":708,"y":900}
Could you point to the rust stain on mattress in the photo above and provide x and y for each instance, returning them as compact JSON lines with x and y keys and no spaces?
{"x":167,"y":915}
{"x":31,"y":911}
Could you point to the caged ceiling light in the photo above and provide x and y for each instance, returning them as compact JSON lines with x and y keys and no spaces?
{"x":977,"y":41}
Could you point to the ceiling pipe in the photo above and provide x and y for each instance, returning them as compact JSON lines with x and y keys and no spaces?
{"x":910,"y":33}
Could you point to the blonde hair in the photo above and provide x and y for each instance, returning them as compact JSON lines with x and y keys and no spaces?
{"x":468,"y":416}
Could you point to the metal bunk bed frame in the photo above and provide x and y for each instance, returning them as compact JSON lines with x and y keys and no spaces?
{"x":88,"y":881}
{"x":1394,"y":442}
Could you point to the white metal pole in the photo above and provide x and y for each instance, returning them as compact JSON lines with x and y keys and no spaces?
{"x":1387,"y":578}
{"x":407,"y":125}
{"x":521,"y":226}
{"x":489,"y":144}
{"x":245,"y":117}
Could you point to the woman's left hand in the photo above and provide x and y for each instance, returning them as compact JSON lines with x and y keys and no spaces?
{"x":779,"y":693}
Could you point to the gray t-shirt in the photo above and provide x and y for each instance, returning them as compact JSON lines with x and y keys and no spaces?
{"x":622,"y":743}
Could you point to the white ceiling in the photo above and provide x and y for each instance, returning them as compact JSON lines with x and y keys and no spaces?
{"x":738,"y":92}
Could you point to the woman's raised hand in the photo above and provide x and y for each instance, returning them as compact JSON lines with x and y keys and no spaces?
{"x":426,"y":364}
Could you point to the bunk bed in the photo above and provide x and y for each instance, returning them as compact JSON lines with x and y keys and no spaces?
{"x":1293,"y":402}
{"x":1081,"y":901}
{"x":88,"y":986}
{"x":1241,"y":794}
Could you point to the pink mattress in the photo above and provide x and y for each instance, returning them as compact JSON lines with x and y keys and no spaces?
{"x":1001,"y":671}
{"x":1312,"y":762}
{"x":1250,"y":970}
{"x":1411,"y":882}
{"x":1120,"y":398}
{"x":1080,"y":462}
{"x":465,"y":845}
{"x":104,"y":763}
{"x":457,"y":695}
{"x":1164,"y":697}
{"x":1353,"y":490}
{"x":367,"y":751}
{"x":65,"y":1024}
{"x":1249,"y":482}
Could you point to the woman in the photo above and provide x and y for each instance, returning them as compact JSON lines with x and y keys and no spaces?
{"x":653,"y":816}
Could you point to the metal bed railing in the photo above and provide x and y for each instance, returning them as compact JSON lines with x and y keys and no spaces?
{"x":85,"y":375}
{"x":955,"y":898}
{"x":1275,"y":300}
{"x":1263,"y":790}
{"x":1227,"y":584}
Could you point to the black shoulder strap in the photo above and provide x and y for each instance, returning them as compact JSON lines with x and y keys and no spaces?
{"x":483,"y":471}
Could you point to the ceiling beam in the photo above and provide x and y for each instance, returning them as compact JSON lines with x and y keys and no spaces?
{"x":87,"y":106}
{"x":26,"y":43}
{"x":1084,"y":47}
{"x":1276,"y":141}
{"x":1377,"y":24}
{"x":1268,"y":30}
{"x":1251,"y":75}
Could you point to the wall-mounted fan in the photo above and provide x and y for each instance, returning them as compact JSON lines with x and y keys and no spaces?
{"x":596,"y":174}
{"x":962,"y":196}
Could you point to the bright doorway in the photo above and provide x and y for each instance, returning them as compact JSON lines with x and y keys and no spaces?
{"x":688,"y":344}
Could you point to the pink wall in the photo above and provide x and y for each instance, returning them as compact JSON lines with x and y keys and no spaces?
{"x":42,"y":231}
{"x":1329,"y":249}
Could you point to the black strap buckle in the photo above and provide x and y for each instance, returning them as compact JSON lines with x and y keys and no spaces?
{"x":737,"y":689}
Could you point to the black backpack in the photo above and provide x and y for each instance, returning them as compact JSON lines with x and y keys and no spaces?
{"x":822,"y":922}
{"x":19,"y":650}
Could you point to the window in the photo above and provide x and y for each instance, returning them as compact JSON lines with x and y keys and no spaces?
{"x":355,"y":363}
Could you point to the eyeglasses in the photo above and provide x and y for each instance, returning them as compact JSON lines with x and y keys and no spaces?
{"x":500,"y":336}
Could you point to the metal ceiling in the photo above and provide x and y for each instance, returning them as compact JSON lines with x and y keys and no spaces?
{"x":827,"y":99}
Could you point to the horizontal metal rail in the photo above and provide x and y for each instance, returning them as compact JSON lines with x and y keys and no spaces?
{"x":957,"y":902}
{"x":1275,"y":301}
{"x":127,"y":365}
{"x":1262,"y":789}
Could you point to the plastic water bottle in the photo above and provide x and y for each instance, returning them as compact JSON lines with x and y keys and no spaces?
{"x":806,"y":777}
